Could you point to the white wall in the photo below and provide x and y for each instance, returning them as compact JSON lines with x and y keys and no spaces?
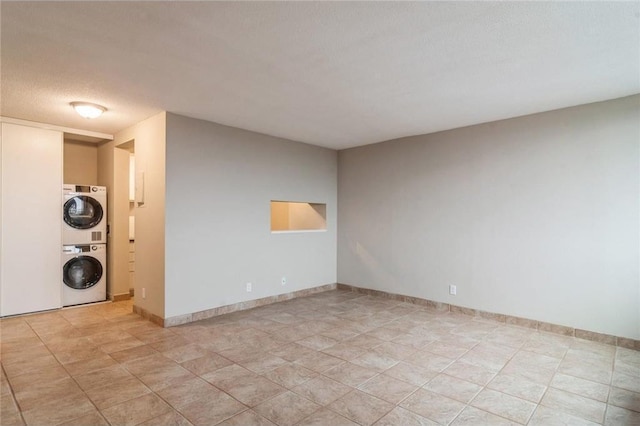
{"x":31,"y":218}
{"x":536,"y":217}
{"x":220,"y":181}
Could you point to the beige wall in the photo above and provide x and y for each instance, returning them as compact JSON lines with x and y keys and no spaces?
{"x":80,"y":163}
{"x":536,"y":217}
{"x":279,"y":216}
{"x":113,"y":173}
{"x":306,"y":216}
{"x":213,"y":250}
{"x":150,"y":141}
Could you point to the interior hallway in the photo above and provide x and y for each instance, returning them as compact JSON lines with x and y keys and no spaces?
{"x":334,"y":358}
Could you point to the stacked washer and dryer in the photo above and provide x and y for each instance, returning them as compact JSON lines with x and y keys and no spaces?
{"x":84,"y":239}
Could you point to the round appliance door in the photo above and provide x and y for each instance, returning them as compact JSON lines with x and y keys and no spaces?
{"x":82,"y":272}
{"x":82,"y":212}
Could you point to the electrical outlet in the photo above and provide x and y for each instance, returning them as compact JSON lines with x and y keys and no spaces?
{"x":284,"y":281}
{"x":249,"y":288}
{"x":453,"y":290}
{"x":144,"y":293}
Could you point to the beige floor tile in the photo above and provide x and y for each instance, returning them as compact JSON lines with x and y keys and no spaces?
{"x":171,"y":418}
{"x":290,"y":375}
{"x":339,"y":334}
{"x":361,"y":407}
{"x":433,"y":406}
{"x":59,"y":410}
{"x":324,"y":417}
{"x":30,"y":352}
{"x":319,"y":362}
{"x":212,"y":410}
{"x":534,"y":374}
{"x":263,"y":363}
{"x":74,"y":355}
{"x":584,"y":370}
{"x":116,"y":391}
{"x":286,"y":409}
{"x":580,"y":386}
{"x":345,"y":351}
{"x":29,"y":365}
{"x":400,"y":416}
{"x":168,"y":343}
{"x":575,"y":405}
{"x":24,"y":381}
{"x":545,"y":416}
{"x":165,"y":376}
{"x":485,"y":360}
{"x":469,"y":372}
{"x":504,"y":405}
{"x":322,"y":390}
{"x":385,"y":347}
{"x":617,"y":416}
{"x":625,"y":399}
{"x":387,"y":388}
{"x":452,"y":387}
{"x":92,"y":419}
{"x":9,"y":407}
{"x":44,"y":392}
{"x":133,"y":353}
{"x":245,"y":418}
{"x":411,"y":374}
{"x":317,"y":342}
{"x":395,"y":350}
{"x":136,"y":410}
{"x":445,"y":349}
{"x":291,"y":352}
{"x":626,"y":381}
{"x":472,"y":416}
{"x":206,"y":364}
{"x":78,"y":368}
{"x":517,"y":386}
{"x":185,"y":353}
{"x":187,"y":391}
{"x":99,"y":378}
{"x":429,"y":360}
{"x":121,"y":345}
{"x":375,"y":360}
{"x":350,"y":374}
{"x":250,"y":390}
{"x":226,"y":377}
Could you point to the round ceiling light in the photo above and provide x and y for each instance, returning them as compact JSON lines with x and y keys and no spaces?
{"x":88,"y":110}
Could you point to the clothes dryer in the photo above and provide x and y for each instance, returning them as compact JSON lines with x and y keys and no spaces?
{"x":84,"y":212}
{"x":84,"y":273}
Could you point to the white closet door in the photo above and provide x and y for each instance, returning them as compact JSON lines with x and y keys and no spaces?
{"x":30,"y":270}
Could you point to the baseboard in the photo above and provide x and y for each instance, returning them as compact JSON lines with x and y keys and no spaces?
{"x":120,"y":297}
{"x":507,"y":319}
{"x":148,"y":315}
{"x":241,"y":306}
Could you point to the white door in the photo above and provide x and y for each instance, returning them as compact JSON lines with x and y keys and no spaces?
{"x":31,"y":251}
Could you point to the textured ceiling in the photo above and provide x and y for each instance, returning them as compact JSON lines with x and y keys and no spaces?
{"x":327,"y":73}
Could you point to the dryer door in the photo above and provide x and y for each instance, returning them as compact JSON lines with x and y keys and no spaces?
{"x":82,"y":212}
{"x":82,"y":272}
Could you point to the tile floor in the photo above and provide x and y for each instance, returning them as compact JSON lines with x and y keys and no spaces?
{"x":334,"y":358}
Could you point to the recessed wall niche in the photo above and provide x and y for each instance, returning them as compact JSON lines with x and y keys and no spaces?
{"x":292,"y":216}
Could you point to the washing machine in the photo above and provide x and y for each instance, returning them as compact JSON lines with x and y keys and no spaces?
{"x":84,"y":273}
{"x":84,"y":212}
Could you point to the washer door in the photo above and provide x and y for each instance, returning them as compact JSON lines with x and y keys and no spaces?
{"x":82,"y":272}
{"x":82,"y":212}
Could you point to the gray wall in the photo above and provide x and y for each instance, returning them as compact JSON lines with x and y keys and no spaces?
{"x":536,"y":217}
{"x":219,"y":184}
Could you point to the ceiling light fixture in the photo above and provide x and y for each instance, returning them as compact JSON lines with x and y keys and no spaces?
{"x":88,"y":110}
